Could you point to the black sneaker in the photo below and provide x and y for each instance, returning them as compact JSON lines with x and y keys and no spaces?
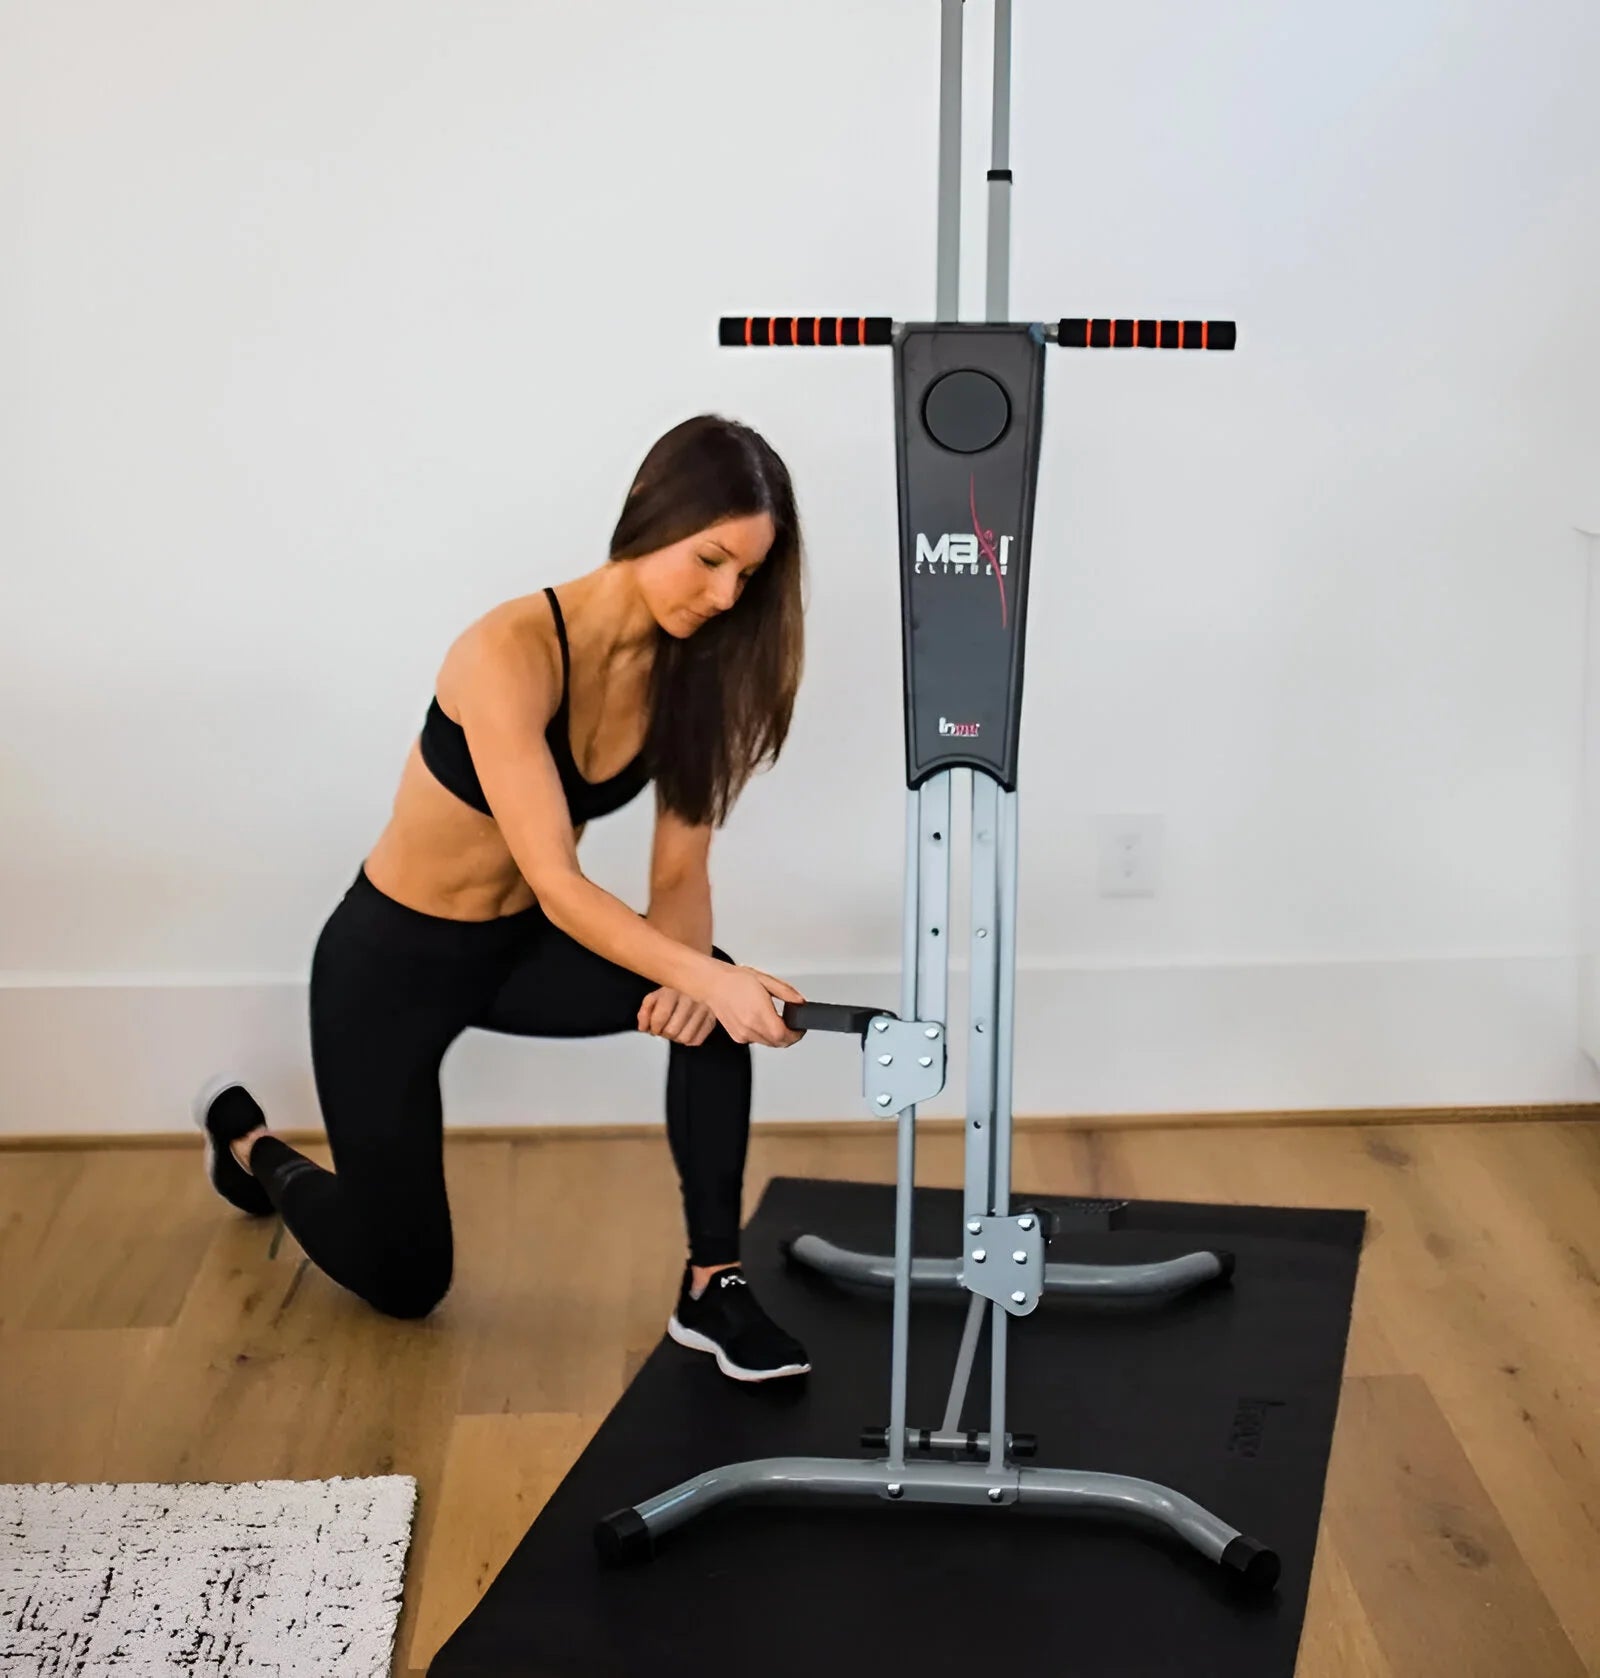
{"x":727,"y":1321}
{"x":224,"y":1110}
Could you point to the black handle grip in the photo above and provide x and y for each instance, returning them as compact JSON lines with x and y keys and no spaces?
{"x":1077,"y":334}
{"x":830,"y":1016}
{"x":921,"y":1439}
{"x":804,"y":331}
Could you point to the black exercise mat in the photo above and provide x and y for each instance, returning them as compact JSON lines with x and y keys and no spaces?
{"x":1228,"y":1395}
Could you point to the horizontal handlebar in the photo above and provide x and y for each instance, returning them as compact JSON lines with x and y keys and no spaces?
{"x":805,"y":331}
{"x":1073,"y":333}
{"x":1076,"y":334}
{"x":830,"y":1016}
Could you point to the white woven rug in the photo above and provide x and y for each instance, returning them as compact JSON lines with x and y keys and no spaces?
{"x":278,"y":1578}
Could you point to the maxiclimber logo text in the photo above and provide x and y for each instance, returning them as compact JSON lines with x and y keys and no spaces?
{"x":958,"y":552}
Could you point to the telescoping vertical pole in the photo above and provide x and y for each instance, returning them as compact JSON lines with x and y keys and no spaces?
{"x":924,"y":962}
{"x":948,"y":295}
{"x":997,"y":301}
{"x":994,"y":810}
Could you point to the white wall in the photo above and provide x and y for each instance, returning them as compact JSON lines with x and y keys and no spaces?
{"x":1589,"y":809}
{"x":327,"y":325}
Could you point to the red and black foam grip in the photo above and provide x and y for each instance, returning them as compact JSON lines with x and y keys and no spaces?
{"x":805,"y":331}
{"x":1148,"y":334}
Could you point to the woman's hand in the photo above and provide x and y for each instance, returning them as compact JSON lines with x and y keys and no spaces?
{"x":678,"y":1018}
{"x":741,"y":998}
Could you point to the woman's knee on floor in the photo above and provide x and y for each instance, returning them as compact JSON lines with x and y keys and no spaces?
{"x":409,"y":1297}
{"x":410,"y":1279}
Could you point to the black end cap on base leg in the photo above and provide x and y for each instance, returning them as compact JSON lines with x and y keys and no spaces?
{"x":624,"y":1538}
{"x":1229,"y":1262}
{"x":1252,"y":1564}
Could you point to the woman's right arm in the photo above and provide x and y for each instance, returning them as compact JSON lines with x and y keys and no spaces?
{"x":507,"y":694}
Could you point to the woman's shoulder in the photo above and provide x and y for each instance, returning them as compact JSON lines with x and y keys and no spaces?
{"x":516,"y":639}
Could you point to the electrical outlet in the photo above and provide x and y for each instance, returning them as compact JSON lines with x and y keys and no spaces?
{"x":1130,"y":855}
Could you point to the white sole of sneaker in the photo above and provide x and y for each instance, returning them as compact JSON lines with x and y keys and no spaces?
{"x":697,"y":1342}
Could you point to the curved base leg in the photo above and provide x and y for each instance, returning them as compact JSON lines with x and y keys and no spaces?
{"x":1083,"y":1281}
{"x":632,"y":1534}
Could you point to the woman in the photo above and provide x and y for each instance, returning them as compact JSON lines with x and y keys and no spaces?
{"x":675,"y":662}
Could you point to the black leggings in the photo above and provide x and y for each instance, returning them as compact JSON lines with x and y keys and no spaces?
{"x":391,"y":990}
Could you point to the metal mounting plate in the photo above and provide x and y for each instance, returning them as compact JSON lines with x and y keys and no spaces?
{"x":902,"y":1063}
{"x":1004,"y":1260}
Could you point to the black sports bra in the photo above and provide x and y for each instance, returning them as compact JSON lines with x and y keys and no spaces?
{"x":445,"y":751}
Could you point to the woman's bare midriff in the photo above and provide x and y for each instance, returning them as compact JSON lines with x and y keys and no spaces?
{"x":442,"y":857}
{"x":438,"y":854}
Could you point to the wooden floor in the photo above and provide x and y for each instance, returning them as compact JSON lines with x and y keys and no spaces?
{"x":148,"y":1334}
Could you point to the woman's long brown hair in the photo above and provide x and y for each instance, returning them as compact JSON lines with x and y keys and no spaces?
{"x":721,"y":699}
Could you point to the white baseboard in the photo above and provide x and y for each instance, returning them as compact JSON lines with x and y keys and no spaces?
{"x":113,"y":1056}
{"x":1589,"y":1008}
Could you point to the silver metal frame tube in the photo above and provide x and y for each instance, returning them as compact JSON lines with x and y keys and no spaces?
{"x":910,"y":969}
{"x":1001,"y":807}
{"x":998,"y":290}
{"x":1113,"y":1495}
{"x":924,"y":986}
{"x":999,"y":1323}
{"x":1006,"y":1009}
{"x":933,"y":945}
{"x":982,"y":996}
{"x":909,"y":907}
{"x":964,"y":1361}
{"x":1082,"y":1281}
{"x":949,"y":248}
